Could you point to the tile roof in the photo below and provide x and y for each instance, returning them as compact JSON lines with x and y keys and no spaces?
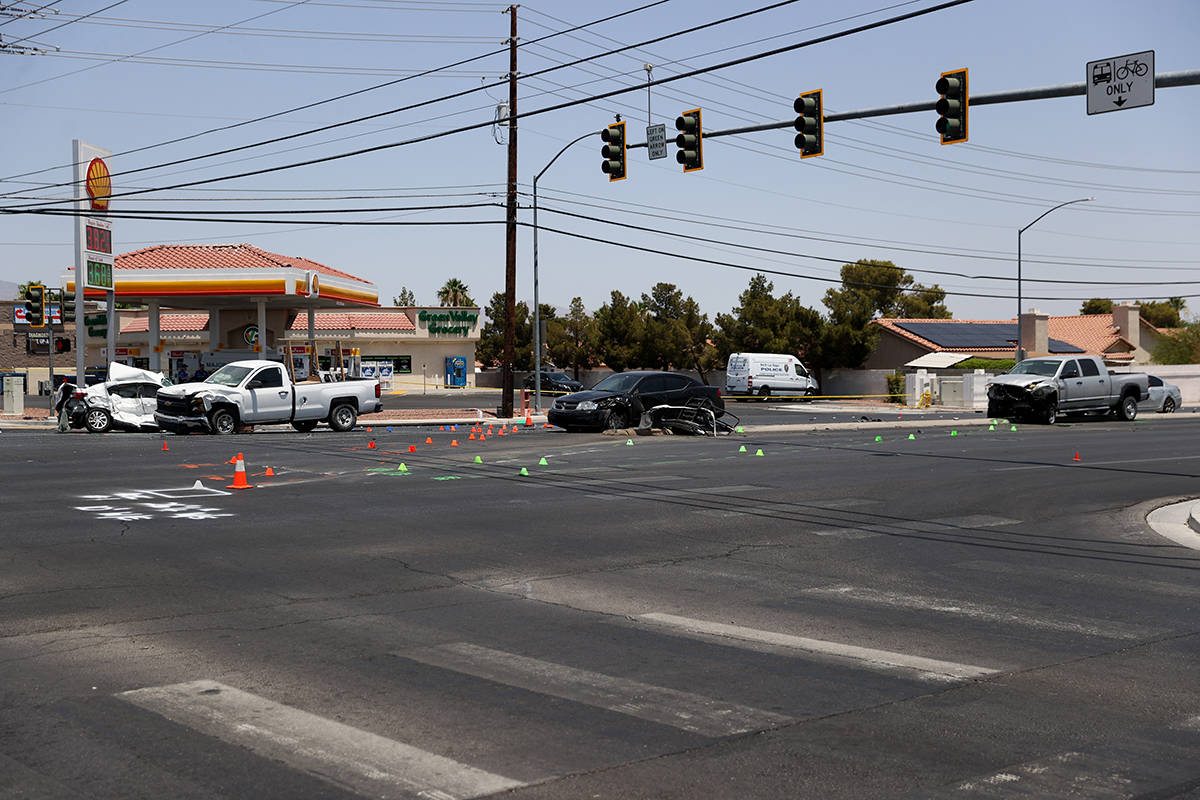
{"x":339,"y":321}
{"x":322,"y":320}
{"x":179,"y":323}
{"x":219,"y":256}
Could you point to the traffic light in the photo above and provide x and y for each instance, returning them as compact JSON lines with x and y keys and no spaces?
{"x":952,"y":107}
{"x":613,"y":151}
{"x":35,"y":305}
{"x":810,"y":124}
{"x":690,"y":141}
{"x":67,"y":306}
{"x":62,"y":344}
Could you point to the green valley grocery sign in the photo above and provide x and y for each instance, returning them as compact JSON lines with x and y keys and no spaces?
{"x":453,"y":323}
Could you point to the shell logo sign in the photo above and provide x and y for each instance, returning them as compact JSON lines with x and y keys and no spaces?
{"x":99,"y":184}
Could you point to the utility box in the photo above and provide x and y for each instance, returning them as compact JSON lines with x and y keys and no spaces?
{"x":456,"y":371}
{"x":14,"y":394}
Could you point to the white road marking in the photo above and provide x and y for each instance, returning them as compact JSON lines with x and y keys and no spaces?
{"x":683,"y":710}
{"x":1081,"y":625}
{"x":928,"y":666}
{"x":367,"y":763}
{"x":846,"y":533}
{"x":1136,"y":584}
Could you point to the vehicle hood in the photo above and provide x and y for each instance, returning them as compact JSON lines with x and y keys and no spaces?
{"x":199,"y":387}
{"x":592,"y":394}
{"x":1020,"y":380}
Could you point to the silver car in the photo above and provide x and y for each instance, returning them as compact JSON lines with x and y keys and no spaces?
{"x":1164,"y":397}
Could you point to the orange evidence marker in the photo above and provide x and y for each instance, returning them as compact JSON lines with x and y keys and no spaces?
{"x":412,"y":448}
{"x":471,"y":437}
{"x":371,"y":445}
{"x":164,"y":447}
{"x":454,"y":442}
{"x":428,"y":440}
{"x":270,"y":473}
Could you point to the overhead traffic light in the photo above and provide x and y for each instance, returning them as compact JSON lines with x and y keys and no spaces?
{"x":35,"y":305}
{"x":67,"y":305}
{"x":613,"y":151}
{"x":952,"y":107}
{"x":810,"y":124}
{"x":690,"y":141}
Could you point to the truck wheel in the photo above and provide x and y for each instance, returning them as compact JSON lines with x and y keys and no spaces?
{"x":994,"y":410}
{"x":343,"y":417}
{"x":764,"y":393}
{"x":1049,"y":412}
{"x":97,"y":420}
{"x":223,"y":422}
{"x":304,"y":426}
{"x":1128,"y":408}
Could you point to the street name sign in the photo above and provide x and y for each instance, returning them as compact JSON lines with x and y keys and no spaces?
{"x":1115,"y":84}
{"x":656,"y":141}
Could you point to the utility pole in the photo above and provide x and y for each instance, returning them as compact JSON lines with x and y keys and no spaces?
{"x":510,"y":234}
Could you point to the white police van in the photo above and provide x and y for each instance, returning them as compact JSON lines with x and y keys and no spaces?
{"x":766,"y":374}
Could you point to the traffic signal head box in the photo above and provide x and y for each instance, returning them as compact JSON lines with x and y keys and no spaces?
{"x":614,"y":151}
{"x":952,"y":106}
{"x":810,"y":124}
{"x":35,"y":305}
{"x":690,"y":141}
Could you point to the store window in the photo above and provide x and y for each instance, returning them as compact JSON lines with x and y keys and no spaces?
{"x":402,"y":365}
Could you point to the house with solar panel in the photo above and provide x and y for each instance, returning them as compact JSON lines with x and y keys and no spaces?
{"x":1121,"y":338}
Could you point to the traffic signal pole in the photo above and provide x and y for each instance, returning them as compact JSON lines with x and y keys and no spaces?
{"x":1189,"y":77}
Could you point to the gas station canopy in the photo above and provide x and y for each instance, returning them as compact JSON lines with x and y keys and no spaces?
{"x":230,"y":276}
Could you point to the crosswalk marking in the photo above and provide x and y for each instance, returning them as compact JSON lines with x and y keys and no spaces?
{"x":1077,"y":624}
{"x":683,"y":710}
{"x":926,"y":666}
{"x":368,"y":763}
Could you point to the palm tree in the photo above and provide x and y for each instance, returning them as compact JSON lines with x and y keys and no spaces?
{"x":454,"y":293}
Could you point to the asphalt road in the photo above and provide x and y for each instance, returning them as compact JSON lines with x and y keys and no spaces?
{"x":968,"y":615}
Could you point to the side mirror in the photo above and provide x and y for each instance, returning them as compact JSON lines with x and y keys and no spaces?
{"x":255,"y":384}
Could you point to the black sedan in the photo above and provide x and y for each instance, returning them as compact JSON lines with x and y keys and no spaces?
{"x":619,"y":400}
{"x":555,"y":382}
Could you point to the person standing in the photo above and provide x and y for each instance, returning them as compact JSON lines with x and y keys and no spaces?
{"x":182,"y":376}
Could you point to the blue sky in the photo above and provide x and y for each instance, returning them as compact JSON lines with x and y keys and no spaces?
{"x":884,"y":188}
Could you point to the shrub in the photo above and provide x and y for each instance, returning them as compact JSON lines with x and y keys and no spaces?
{"x":991,"y":364}
{"x":895,"y":387}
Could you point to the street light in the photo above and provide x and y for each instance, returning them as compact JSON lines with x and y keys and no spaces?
{"x":537,"y":321}
{"x":1020,"y":349}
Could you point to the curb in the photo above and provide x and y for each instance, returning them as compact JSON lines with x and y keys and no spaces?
{"x":1177,"y":522}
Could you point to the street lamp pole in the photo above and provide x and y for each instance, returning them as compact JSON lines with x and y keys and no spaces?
{"x":1020,"y":350}
{"x":537,"y":320}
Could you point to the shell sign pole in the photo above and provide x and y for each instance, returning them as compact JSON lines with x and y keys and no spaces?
{"x":93,"y":239}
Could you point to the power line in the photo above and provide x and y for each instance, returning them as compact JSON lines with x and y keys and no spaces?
{"x":556,"y":107}
{"x":65,"y":24}
{"x":327,"y":100}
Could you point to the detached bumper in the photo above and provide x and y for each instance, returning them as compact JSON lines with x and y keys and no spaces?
{"x":563,"y":418}
{"x":174,"y":424}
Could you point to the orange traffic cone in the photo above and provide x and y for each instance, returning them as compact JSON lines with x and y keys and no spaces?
{"x":164,"y":447}
{"x":1076,"y":455}
{"x":528,"y":421}
{"x":428,"y":440}
{"x":239,"y":475}
{"x":454,"y":442}
{"x":234,"y":460}
{"x":371,"y":445}
{"x":270,"y":473}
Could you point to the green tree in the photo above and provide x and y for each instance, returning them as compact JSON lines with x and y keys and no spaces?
{"x":454,"y":293}
{"x":1163,"y":313}
{"x":405,"y":298}
{"x":676,"y":333}
{"x":1181,"y":346}
{"x":880,"y":288}
{"x":572,"y":339}
{"x":1096,"y":305}
{"x":490,"y":349}
{"x":763,"y":323}
{"x":619,"y":332}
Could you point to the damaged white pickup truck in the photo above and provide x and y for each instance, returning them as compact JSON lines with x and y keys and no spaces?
{"x":260,"y":393}
{"x":1042,"y":389}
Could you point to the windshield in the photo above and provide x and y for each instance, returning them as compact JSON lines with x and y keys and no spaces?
{"x":1046,"y":368}
{"x":620,"y":382}
{"x":558,"y":376}
{"x":228,"y":375}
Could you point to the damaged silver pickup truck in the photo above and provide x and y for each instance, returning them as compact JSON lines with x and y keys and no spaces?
{"x":259,"y":393}
{"x":1041,"y":389}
